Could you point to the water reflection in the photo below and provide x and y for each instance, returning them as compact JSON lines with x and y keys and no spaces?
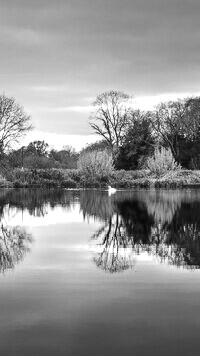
{"x":115,"y":254}
{"x":165,"y":224}
{"x":15,"y":241}
{"x":36,"y":201}
{"x":14,"y":244}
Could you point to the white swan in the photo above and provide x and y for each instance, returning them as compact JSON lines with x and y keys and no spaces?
{"x":111,"y":190}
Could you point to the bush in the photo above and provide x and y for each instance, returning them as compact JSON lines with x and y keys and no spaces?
{"x":96,"y":165}
{"x":5,"y":184}
{"x":161,"y":162}
{"x":73,"y":174}
{"x":137,"y":174}
{"x":68,"y":183}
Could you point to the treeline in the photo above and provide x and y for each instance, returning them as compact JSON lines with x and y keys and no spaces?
{"x":38,"y":155}
{"x":132,"y":135}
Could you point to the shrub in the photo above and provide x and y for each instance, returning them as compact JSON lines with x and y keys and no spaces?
{"x":137,"y":174}
{"x":68,"y":183}
{"x":73,"y":174}
{"x":5,"y":184}
{"x":161,"y":162}
{"x":96,"y":165}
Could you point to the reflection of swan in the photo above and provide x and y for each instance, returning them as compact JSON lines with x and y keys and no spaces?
{"x":111,"y":190}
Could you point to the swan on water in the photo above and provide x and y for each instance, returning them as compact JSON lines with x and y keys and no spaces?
{"x":111,"y":190}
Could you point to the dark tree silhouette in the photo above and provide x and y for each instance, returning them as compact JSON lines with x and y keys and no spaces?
{"x":37,"y":148}
{"x":138,"y":142}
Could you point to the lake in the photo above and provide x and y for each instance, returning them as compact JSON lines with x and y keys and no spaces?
{"x":84,"y":273}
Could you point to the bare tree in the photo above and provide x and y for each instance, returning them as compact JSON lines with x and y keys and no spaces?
{"x":14,"y":122}
{"x":111,"y":116}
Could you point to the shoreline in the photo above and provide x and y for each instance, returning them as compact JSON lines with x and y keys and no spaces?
{"x":55,"y":178}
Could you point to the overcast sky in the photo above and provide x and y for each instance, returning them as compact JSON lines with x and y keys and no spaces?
{"x":56,"y":56}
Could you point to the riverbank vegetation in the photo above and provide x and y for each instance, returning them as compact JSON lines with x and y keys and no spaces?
{"x":159,"y":148}
{"x":74,"y":178}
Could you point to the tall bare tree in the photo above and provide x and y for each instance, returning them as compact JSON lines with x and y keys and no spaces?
{"x":14,"y":122}
{"x":111,"y":116}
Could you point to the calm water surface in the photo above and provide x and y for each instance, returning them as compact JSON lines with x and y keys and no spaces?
{"x":82,"y":273}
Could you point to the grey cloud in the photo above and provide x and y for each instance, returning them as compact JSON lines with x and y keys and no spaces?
{"x":139,"y":46}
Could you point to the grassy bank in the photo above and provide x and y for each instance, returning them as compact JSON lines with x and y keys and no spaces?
{"x":60,"y":178}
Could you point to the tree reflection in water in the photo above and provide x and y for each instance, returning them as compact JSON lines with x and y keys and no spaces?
{"x":114,"y":255}
{"x":164,"y":224}
{"x":14,"y":244}
{"x":37,"y":201}
{"x":15,"y":241}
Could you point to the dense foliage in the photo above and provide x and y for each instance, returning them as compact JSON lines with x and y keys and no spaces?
{"x":96,"y":165}
{"x":37,"y":155}
{"x":162,"y":161}
{"x":138,"y":143}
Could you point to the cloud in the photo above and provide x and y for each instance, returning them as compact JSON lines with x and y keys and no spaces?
{"x":23,"y":36}
{"x":65,"y":51}
{"x":150,"y":101}
{"x":78,"y":108}
{"x":50,"y":88}
{"x":63,"y":109}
